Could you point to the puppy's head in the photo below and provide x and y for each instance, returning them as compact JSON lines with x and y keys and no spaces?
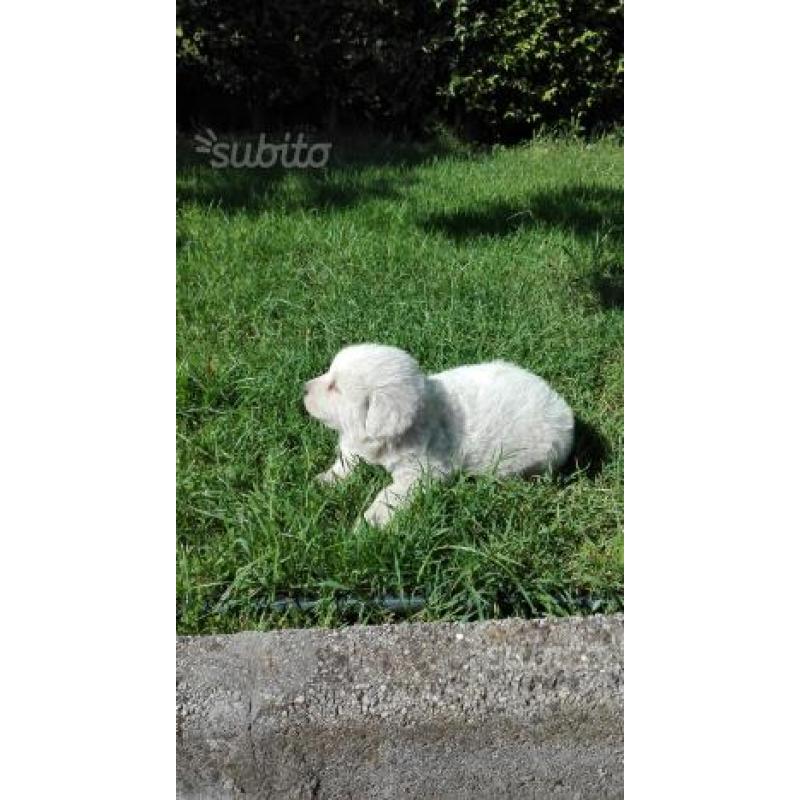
{"x":369,"y":390}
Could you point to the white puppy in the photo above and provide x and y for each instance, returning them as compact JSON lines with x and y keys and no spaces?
{"x":480,"y":418}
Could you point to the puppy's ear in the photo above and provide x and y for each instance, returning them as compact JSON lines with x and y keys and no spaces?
{"x":391,"y":409}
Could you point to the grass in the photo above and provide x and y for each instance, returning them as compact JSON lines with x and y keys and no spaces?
{"x":457,"y":257}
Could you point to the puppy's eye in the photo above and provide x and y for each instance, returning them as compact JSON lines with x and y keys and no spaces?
{"x":332,"y":387}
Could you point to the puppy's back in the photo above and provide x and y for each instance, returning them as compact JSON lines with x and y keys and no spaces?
{"x":507,"y":418}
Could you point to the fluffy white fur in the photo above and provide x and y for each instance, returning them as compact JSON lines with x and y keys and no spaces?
{"x":480,"y":418}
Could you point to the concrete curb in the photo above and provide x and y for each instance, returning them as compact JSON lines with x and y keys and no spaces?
{"x":506,"y":709}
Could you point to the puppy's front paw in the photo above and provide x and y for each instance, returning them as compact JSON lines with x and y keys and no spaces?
{"x":378,"y":514}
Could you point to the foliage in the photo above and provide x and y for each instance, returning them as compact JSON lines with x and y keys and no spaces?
{"x":522,"y":64}
{"x":314,"y":60}
{"x":494,"y":70}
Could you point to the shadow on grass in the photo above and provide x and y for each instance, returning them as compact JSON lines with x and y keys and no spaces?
{"x":585,"y":211}
{"x":590,"y":452}
{"x":253,"y":192}
{"x":341,"y":184}
{"x":609,"y":286}
{"x":594,"y":214}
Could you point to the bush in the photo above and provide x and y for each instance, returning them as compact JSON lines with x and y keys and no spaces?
{"x":495,"y":71}
{"x":520,"y":65}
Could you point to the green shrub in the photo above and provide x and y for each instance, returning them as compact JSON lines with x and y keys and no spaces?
{"x":495,"y":71}
{"x":520,"y":65}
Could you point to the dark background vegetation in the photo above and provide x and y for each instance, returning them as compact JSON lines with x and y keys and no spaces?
{"x":490,"y":71}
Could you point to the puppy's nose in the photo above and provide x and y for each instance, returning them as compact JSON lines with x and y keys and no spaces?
{"x":305,"y":388}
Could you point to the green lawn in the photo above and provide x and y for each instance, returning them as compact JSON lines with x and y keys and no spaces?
{"x":456,"y":257}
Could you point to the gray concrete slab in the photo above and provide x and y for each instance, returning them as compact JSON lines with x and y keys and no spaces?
{"x":506,"y":709}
